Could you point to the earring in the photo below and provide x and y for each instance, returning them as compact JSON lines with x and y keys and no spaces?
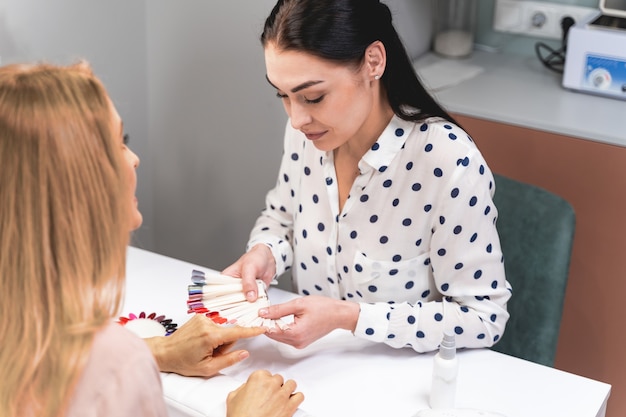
{"x":377,"y":77}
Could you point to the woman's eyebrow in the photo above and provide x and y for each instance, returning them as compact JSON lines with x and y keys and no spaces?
{"x":297,"y":88}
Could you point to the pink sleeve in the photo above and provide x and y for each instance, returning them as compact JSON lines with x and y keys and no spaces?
{"x":121,"y":379}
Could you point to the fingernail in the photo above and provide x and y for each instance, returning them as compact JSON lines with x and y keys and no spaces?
{"x":243,"y":354}
{"x":250,"y":295}
{"x":263,"y":312}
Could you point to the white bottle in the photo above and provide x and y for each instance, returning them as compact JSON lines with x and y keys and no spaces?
{"x":445,"y":369}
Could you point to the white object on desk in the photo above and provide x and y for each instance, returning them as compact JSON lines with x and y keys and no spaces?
{"x":446,"y":73}
{"x":375,"y":380}
{"x":457,"y":412}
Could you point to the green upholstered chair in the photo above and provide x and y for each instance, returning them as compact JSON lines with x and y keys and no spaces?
{"x":536,"y":231}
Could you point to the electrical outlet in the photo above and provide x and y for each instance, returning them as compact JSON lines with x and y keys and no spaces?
{"x":533,"y":18}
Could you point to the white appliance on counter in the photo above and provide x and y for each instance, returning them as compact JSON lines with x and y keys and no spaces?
{"x":595,"y":60}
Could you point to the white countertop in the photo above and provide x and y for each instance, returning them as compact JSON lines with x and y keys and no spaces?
{"x":518,"y":90}
{"x":340,"y":376}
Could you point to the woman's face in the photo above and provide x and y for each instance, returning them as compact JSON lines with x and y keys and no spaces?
{"x":132,"y":162}
{"x":330,"y":103}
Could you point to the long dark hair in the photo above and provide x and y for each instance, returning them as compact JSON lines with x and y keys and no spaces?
{"x":341,"y":31}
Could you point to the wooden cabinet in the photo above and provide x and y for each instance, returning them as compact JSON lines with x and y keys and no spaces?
{"x":592,"y":177}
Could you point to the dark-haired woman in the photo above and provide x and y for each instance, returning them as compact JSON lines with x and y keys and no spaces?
{"x":383,"y":207}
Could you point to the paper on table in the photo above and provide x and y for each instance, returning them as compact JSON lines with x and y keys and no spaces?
{"x":446,"y":73}
{"x":186,"y":396}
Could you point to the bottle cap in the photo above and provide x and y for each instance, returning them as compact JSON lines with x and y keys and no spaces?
{"x":447,"y":348}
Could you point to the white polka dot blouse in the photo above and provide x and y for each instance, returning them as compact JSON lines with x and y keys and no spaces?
{"x":415,"y":244}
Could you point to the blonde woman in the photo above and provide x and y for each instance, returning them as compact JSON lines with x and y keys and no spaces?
{"x":67,"y":205}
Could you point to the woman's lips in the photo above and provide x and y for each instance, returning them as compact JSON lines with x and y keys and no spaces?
{"x":314,"y":135}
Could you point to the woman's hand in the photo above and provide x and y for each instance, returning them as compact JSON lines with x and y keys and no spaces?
{"x":200,"y":347}
{"x":257,"y":263}
{"x":314,"y":317}
{"x":264,"y":395}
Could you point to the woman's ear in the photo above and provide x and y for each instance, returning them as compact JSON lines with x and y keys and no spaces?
{"x":376,"y":60}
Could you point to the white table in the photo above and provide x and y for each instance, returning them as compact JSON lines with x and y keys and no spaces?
{"x":350,"y":378}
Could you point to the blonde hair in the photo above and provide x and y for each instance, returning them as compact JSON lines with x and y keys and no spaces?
{"x":64,"y":229}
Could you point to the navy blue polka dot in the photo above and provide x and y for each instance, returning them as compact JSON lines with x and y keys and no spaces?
{"x":458,"y":330}
{"x":438,"y":172}
{"x":457,"y":230}
{"x":399,"y":132}
{"x":387,"y":183}
{"x":473,"y":201}
{"x":373,"y":218}
{"x":320,"y":227}
{"x":428,"y":148}
{"x":420,"y":334}
{"x":416,"y":187}
{"x":353,"y":234}
{"x":369,"y":331}
{"x":409,"y":285}
{"x":364,"y":198}
{"x":458,"y":266}
{"x":427,"y":207}
{"x":438,"y":317}
{"x":383,"y":239}
{"x":375,"y":146}
{"x":372,"y":288}
{"x":294,"y":156}
{"x":410,"y":319}
{"x":358,"y":268}
{"x":406,"y":222}
{"x":452,"y":136}
{"x":424,"y":127}
{"x":425,"y":293}
{"x":441,"y":252}
{"x":481,"y":336}
{"x":395,"y":202}
{"x":478,"y":274}
{"x":445,"y":287}
{"x":409,"y":166}
{"x":307,"y":171}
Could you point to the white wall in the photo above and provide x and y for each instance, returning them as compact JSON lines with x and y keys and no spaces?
{"x":188,"y":78}
{"x":111,"y":35}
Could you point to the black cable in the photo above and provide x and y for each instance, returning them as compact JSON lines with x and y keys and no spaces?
{"x":554,"y":59}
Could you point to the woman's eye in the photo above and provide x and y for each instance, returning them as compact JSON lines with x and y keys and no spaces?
{"x":314,"y":100}
{"x":281,"y":96}
{"x":125,"y":139}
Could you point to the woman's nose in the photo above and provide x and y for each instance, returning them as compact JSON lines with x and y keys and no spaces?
{"x":299,"y":116}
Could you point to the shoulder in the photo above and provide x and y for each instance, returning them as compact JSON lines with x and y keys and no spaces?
{"x":120,"y":375}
